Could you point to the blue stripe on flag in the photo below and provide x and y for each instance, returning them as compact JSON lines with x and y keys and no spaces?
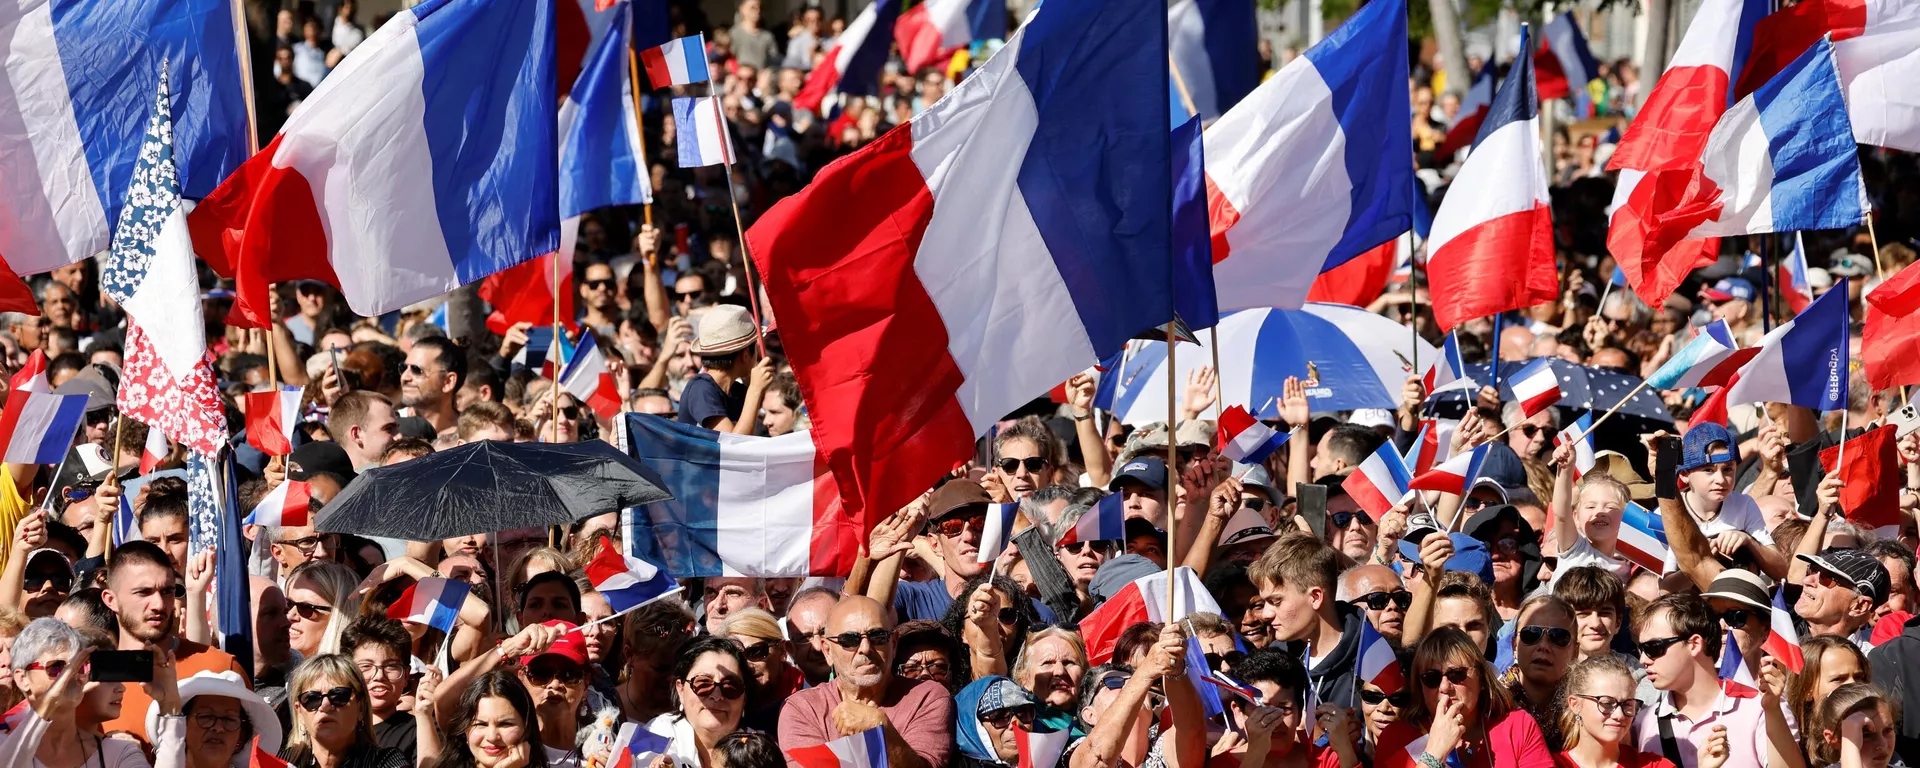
{"x":1816,"y":354}
{"x":693,"y":51}
{"x":685,"y":529}
{"x":1816,"y":168}
{"x":862,"y":74}
{"x":1193,"y":289}
{"x":232,"y":585}
{"x":652,"y":26}
{"x":601,"y":165}
{"x":1365,"y":62}
{"x":58,"y":438}
{"x":446,"y":606}
{"x":1516,"y":100}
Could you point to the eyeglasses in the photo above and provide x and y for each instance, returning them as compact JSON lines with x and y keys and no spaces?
{"x":308,"y":545}
{"x":1343,"y":519}
{"x":1531,"y":634}
{"x":1608,"y":704}
{"x":99,"y":418}
{"x":308,"y":611}
{"x":704,"y":686}
{"x":953,"y":526}
{"x":1456,"y":675}
{"x":414,"y":369}
{"x":1103,"y":548}
{"x":1033,"y":464}
{"x":1735,"y":618}
{"x":932,"y":669}
{"x":1001,"y":718}
{"x":851,"y":640}
{"x":1230,"y":658}
{"x":60,"y":582}
{"x":1378,"y":601}
{"x":1507,"y":545}
{"x":757,"y":651}
{"x":391,"y":669}
{"x":54,"y":668}
{"x":211,"y":722}
{"x":1654,"y":649}
{"x":544,"y":673}
{"x":1114,"y":681}
{"x":1399,"y":699}
{"x":338,"y":697}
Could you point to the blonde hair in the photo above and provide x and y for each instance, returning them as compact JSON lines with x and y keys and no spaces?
{"x":1602,"y":480}
{"x":754,"y":623}
{"x":1578,"y":678}
{"x":339,"y":670}
{"x":336,"y":583}
{"x":1836,"y":708}
{"x":1450,"y":645}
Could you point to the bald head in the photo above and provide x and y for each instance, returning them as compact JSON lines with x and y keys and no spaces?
{"x":858,"y":613}
{"x":1367,"y":579}
{"x":867,"y":666}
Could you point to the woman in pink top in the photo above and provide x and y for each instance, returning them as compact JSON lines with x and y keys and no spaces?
{"x":1461,"y":717}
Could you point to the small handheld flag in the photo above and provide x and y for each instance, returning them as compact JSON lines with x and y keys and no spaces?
{"x":1244,"y":439}
{"x":1450,"y":371}
{"x":998,"y":533}
{"x":1783,"y":642}
{"x":1454,"y":475}
{"x":1105,"y":521}
{"x":1643,"y":538}
{"x":272,"y":417}
{"x":627,"y":582}
{"x":1735,"y":678}
{"x":1580,"y":433}
{"x":1536,"y":386}
{"x":681,"y":61}
{"x":701,"y":132}
{"x":434,"y":602}
{"x":1380,"y":481}
{"x":866,"y":749}
{"x":1377,"y":664}
{"x":636,"y":747}
{"x":1707,"y":360}
{"x":286,"y":506}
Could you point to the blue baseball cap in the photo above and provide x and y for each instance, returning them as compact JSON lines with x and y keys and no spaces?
{"x":1469,"y":556}
{"x":1730,"y":288}
{"x":1149,"y":471}
{"x":1697,"y":448}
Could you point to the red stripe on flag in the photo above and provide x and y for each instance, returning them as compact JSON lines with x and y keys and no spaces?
{"x":1890,"y":348}
{"x":1462,"y":134}
{"x":821,"y":83}
{"x":572,"y":38}
{"x":655,"y":62}
{"x":15,"y":296}
{"x":1782,"y":36}
{"x":1500,"y":264}
{"x":837,"y":535}
{"x":524,"y":294}
{"x":1359,"y":281}
{"x":921,"y":43}
{"x":1221,"y":216}
{"x":1655,"y":264}
{"x":1549,"y":80}
{"x":264,"y":430}
{"x":262,"y":226}
{"x":1671,"y":128}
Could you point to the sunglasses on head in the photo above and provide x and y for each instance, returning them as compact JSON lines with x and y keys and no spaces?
{"x":1457,"y":676}
{"x":1343,"y":519}
{"x":851,"y":640}
{"x":953,"y":525}
{"x":1230,"y":658}
{"x":704,"y":686}
{"x":1654,"y":649}
{"x":544,"y":673}
{"x":1033,"y":464}
{"x":1399,"y":699}
{"x":1378,"y":601}
{"x":1608,"y":704}
{"x":1531,"y":634}
{"x":338,"y":697}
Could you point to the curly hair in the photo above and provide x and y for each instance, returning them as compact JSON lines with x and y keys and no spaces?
{"x":956,"y":621}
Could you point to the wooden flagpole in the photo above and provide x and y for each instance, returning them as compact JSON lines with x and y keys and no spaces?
{"x":640,"y":127}
{"x":739,"y":229}
{"x":1213,"y":333}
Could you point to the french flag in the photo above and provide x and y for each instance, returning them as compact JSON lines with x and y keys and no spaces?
{"x":627,"y":582}
{"x":1227,"y":684}
{"x":272,"y":418}
{"x":866,"y":749}
{"x":434,"y":602}
{"x":1643,"y":538}
{"x":701,"y":132}
{"x":853,"y":67}
{"x":1432,"y":445}
{"x":1145,"y":600}
{"x":1306,"y":173}
{"x":970,"y":254}
{"x":1377,"y":664}
{"x":1215,"y":46}
{"x":681,"y":61}
{"x":524,"y":294}
{"x":1580,"y":433}
{"x":1711,"y":358}
{"x":601,"y":164}
{"x":587,"y":377}
{"x":1040,"y":749}
{"x":1450,"y":371}
{"x":930,"y":32}
{"x":288,"y":505}
{"x":1380,"y":481}
{"x":1563,"y":63}
{"x":1244,"y":439}
{"x":157,"y":450}
{"x":1783,"y":642}
{"x":33,"y":376}
{"x":1802,"y":361}
{"x":1455,"y":475}
{"x":1104,"y":521}
{"x":1493,"y":251}
{"x":1536,"y":386}
{"x":424,"y":162}
{"x":1473,"y":112}
{"x":38,"y":427}
{"x":638,"y":747}
{"x":998,"y":533}
{"x":1782,"y":36}
{"x":742,"y":505}
{"x":1792,"y":279}
{"x":1880,"y":72}
{"x":1197,"y":669}
{"x":1735,"y":678}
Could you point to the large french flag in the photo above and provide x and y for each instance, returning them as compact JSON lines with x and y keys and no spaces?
{"x":1000,"y":225}
{"x":1307,"y":172}
{"x":1145,"y":600}
{"x":1802,"y":361}
{"x":853,"y":66}
{"x":272,"y":417}
{"x":1244,"y":439}
{"x":1563,"y":64}
{"x":587,"y":377}
{"x":1492,"y":250}
{"x":38,"y":427}
{"x":866,"y":749}
{"x":742,"y":505}
{"x":929,"y":32}
{"x":1709,"y":359}
{"x":1782,"y":36}
{"x":1473,"y":112}
{"x":1380,"y":481}
{"x":79,"y":79}
{"x":601,"y":164}
{"x":434,"y":602}
{"x":425,"y":161}
{"x":1215,"y":45}
{"x":1643,"y":538}
{"x":1881,"y":73}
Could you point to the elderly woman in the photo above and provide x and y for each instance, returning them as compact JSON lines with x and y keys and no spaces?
{"x":332,"y":720}
{"x":223,"y":717}
{"x":774,"y":678}
{"x":1051,"y":666}
{"x":1467,"y":717}
{"x":320,"y":604}
{"x":989,"y":711}
{"x":710,"y":682}
{"x":494,"y":726}
{"x":49,"y":665}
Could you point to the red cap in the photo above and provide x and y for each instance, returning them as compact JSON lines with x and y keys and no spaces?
{"x":571,"y":646}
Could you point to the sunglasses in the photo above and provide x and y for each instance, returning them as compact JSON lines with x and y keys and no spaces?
{"x":1001,"y":718}
{"x":568,"y":674}
{"x":1529,"y":431}
{"x":1255,"y":504}
{"x":1009,"y":617}
{"x":570,"y":412}
{"x":338,"y":697}
{"x":1230,"y":658}
{"x":212,"y":722}
{"x":929,"y":668}
{"x":414,"y":369}
{"x":1457,"y":676}
{"x":308,"y":611}
{"x":1099,"y":547}
{"x":97,"y":419}
{"x":1033,"y":464}
{"x":1654,"y":649}
{"x":78,"y":494}
{"x":851,"y":640}
{"x":1399,"y":699}
{"x":54,"y":668}
{"x":757,"y":652}
{"x":1378,"y":601}
{"x":1608,"y":704}
{"x":1343,"y":519}
{"x":596,"y":283}
{"x":953,"y":526}
{"x":1530,"y":635}
{"x":704,"y":686}
{"x":61,"y":583}
{"x":1736,"y":618}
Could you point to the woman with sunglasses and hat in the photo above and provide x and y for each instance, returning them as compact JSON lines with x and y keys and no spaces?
{"x":332,"y":721}
{"x":991,"y":622}
{"x":556,"y":678}
{"x":223,"y":717}
{"x":710,"y":684}
{"x":990,"y":713}
{"x":1464,"y":715}
{"x":1542,"y":651}
{"x":1596,"y":719}
{"x":774,"y":677}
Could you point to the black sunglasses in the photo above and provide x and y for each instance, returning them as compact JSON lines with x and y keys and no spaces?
{"x":1232,"y":659}
{"x":1457,"y":676}
{"x":1009,"y":617}
{"x":1530,"y":431}
{"x":1101,"y":547}
{"x":602,"y":283}
{"x":758,"y":652}
{"x":99,"y":417}
{"x":1033,"y":464}
{"x":1343,"y":519}
{"x":338,"y":697}
{"x":1254,"y":503}
{"x":851,"y":640}
{"x":61,"y":582}
{"x":1004,"y":717}
{"x":308,"y":611}
{"x":1654,"y":649}
{"x":569,"y":674}
{"x":1399,"y":699}
{"x":1735,"y":618}
{"x":1531,"y":634}
{"x":1378,"y":601}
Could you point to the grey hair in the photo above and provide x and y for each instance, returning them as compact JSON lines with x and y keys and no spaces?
{"x":1079,"y":502}
{"x":1511,"y":414}
{"x":1638,"y":313}
{"x":11,"y":319}
{"x":50,"y":286}
{"x":43,"y":636}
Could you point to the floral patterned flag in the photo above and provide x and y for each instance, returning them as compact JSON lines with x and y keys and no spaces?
{"x":169,"y":380}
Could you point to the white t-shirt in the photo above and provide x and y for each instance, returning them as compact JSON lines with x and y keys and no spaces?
{"x":1583,"y":554}
{"x":1738,"y":513}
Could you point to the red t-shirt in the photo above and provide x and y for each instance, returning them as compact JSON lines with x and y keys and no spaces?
{"x":1317,"y":757}
{"x":1513,"y":741}
{"x":1629,"y":758}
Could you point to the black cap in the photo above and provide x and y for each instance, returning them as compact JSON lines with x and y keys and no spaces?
{"x":320,"y":457}
{"x":1137,"y":527}
{"x":1149,"y":471}
{"x":1856,"y":569}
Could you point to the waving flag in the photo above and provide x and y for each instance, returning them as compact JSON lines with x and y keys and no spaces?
{"x":1104,"y":521}
{"x":1455,"y":475}
{"x":701,"y":132}
{"x":232,"y":586}
{"x":932,"y":30}
{"x":1536,"y":386}
{"x":1431,"y":446}
{"x":1144,"y":600}
{"x":424,"y":162}
{"x":1473,"y":112}
{"x":1377,"y":663}
{"x":1450,"y":371}
{"x":587,"y":377}
{"x":1802,"y":361}
{"x":627,"y":582}
{"x":1194,"y":299}
{"x":1244,"y":439}
{"x":150,"y":272}
{"x":853,"y":66}
{"x":1792,"y":279}
{"x":1890,"y":345}
{"x":1643,"y":538}
{"x":1783,"y":35}
{"x":434,"y":602}
{"x":1197,"y":670}
{"x":601,"y":162}
{"x":1563,"y":62}
{"x":998,"y":533}
{"x":1380,"y":481}
{"x":1783,"y":641}
{"x":1493,"y":251}
{"x":272,"y":418}
{"x":38,"y":427}
{"x":524,"y":294}
{"x":638,"y":747}
{"x":1307,"y":173}
{"x":1735,"y":678}
{"x":997,"y":226}
{"x":866,"y":749}
{"x":742,"y":505}
{"x":261,"y":758}
{"x":1215,"y":45}
{"x":1881,"y":73}
{"x":33,"y":376}
{"x":1580,"y":433}
{"x":681,"y":61}
{"x":1709,"y":359}
{"x":288,"y":505}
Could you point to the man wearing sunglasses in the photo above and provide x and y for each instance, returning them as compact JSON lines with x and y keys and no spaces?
{"x":1680,"y":646}
{"x":434,"y":371}
{"x":1529,"y":436}
{"x":144,"y":592}
{"x":957,"y":517}
{"x":1376,"y":590}
{"x":598,"y":297}
{"x":917,"y":715}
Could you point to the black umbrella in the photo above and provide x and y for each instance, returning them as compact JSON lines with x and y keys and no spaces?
{"x":491,"y":486}
{"x":1584,"y":389}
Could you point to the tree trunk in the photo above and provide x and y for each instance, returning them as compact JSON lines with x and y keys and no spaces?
{"x":1446,"y":32}
{"x":1653,"y":60}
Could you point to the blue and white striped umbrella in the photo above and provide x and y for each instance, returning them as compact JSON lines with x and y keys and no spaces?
{"x":1349,"y":358}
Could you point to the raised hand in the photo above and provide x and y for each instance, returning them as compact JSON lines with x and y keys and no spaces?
{"x":1199,"y":393}
{"x":1294,"y":407}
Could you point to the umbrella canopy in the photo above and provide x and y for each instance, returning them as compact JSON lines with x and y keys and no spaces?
{"x":1349,"y":358}
{"x":1583,"y":388}
{"x":491,"y":486}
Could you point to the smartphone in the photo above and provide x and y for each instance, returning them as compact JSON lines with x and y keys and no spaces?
{"x":334,"y":354}
{"x":1907,"y":419}
{"x":121,"y":666}
{"x":1666,"y":474}
{"x":1313,"y":505}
